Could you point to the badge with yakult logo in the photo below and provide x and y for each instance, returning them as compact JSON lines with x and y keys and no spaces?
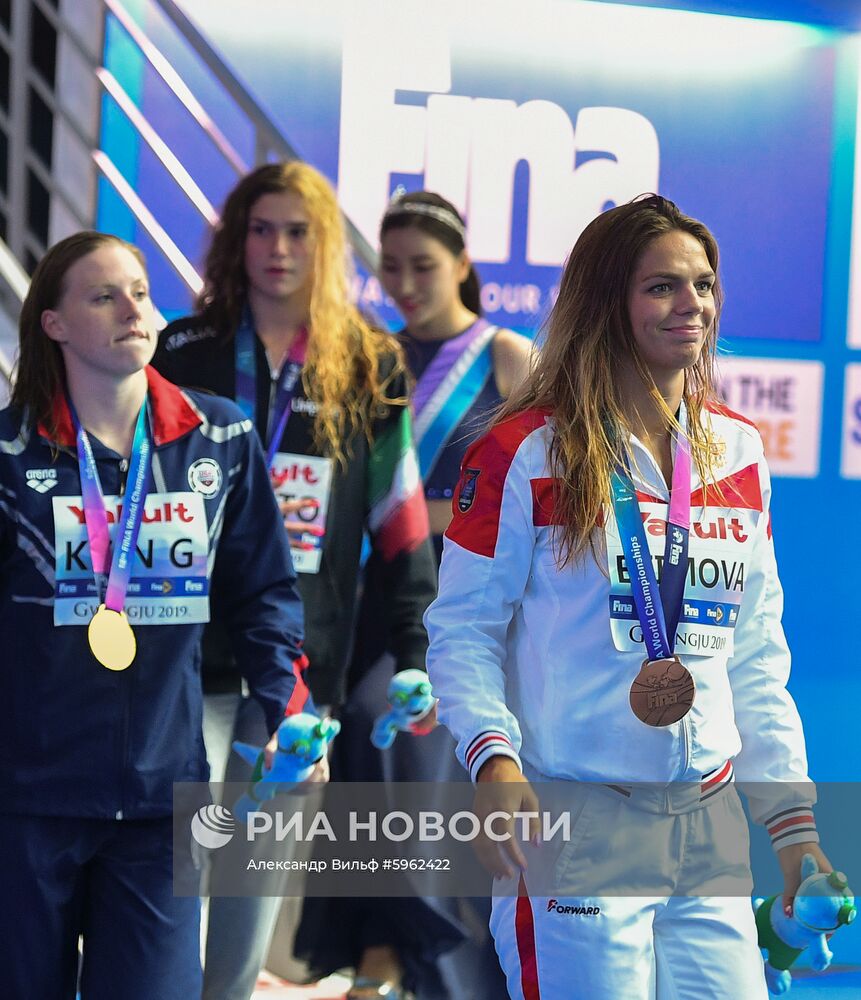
{"x":306,"y":478}
{"x":719,"y":551}
{"x":204,"y":477}
{"x":468,"y":486}
{"x":169,"y":583}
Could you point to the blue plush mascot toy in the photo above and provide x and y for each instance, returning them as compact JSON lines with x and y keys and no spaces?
{"x":303,"y":739}
{"x":410,"y":699}
{"x":823,"y":903}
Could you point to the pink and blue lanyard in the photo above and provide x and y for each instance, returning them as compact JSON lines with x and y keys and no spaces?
{"x":287,"y":386}
{"x":658,"y":609}
{"x":114,"y":583}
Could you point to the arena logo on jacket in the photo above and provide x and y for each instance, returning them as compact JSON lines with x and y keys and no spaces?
{"x":169,"y":583}
{"x":41,"y":480}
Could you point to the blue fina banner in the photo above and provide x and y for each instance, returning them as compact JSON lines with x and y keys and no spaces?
{"x":533,"y":118}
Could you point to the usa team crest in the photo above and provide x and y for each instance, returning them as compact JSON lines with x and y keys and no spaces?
{"x":204,"y":477}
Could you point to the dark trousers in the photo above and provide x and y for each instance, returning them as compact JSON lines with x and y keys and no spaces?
{"x":110,"y":881}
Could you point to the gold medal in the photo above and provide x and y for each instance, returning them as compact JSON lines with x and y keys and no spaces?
{"x":663,"y":692}
{"x":111,"y":639}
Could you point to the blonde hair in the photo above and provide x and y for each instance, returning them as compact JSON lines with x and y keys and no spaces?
{"x":577,"y":373}
{"x":342,"y":372}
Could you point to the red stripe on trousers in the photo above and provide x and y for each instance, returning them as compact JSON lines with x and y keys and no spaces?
{"x":524,"y":926}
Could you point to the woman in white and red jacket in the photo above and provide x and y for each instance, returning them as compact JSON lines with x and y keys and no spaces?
{"x":613,"y":462}
{"x":101,"y":722}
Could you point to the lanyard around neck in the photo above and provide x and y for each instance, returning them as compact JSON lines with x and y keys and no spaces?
{"x":114,"y":581}
{"x":287,"y":383}
{"x":658,"y":608}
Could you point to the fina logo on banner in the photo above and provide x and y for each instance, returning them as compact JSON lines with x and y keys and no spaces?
{"x":784,"y":400}
{"x":468,"y":148}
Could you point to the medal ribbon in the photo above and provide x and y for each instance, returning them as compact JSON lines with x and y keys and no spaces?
{"x":288,"y":381}
{"x":117,"y":583}
{"x":658,"y":609}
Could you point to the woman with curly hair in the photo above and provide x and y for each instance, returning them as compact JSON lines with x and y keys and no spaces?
{"x":276,"y":331}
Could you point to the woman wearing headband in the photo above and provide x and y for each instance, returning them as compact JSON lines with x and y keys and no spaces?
{"x":464,"y":367}
{"x":128,"y":510}
{"x":276,"y":330}
{"x":557,"y":654}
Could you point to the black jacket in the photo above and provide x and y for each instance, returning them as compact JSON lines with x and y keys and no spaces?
{"x":378,"y":491}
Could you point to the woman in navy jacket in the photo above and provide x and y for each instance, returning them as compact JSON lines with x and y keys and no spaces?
{"x":96,"y":442}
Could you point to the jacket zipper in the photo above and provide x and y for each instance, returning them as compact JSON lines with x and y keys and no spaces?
{"x":126,"y":680}
{"x":686,"y":745}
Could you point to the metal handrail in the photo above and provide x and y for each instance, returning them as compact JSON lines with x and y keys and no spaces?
{"x":18,"y":282}
{"x":5,"y":367}
{"x":176,"y":257}
{"x":273,"y":140}
{"x":165,"y":154}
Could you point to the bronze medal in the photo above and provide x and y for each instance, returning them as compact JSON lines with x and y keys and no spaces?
{"x":111,"y":639}
{"x":663,"y":692}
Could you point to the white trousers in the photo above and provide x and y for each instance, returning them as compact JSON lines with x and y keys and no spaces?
{"x":687,"y":934}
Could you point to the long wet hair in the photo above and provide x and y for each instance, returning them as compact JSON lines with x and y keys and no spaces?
{"x":344,"y":373}
{"x":588,"y":337}
{"x":446,"y":226}
{"x":40,"y":371}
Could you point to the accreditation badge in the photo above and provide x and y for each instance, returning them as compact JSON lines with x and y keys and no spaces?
{"x":169,"y":583}
{"x":305,"y":477}
{"x":720,"y":544}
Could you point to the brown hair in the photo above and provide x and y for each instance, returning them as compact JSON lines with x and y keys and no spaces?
{"x":588,"y":334}
{"x":342,"y":372}
{"x":398,"y":216}
{"x":40,"y":371}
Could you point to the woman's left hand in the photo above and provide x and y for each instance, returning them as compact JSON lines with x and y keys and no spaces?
{"x":318,"y":776}
{"x":269,"y":752}
{"x":790,"y":864}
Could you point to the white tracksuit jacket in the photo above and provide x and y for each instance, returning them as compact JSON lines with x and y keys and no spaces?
{"x":526,"y":663}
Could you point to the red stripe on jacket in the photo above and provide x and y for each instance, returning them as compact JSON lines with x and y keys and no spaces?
{"x":725,"y":411}
{"x":301,"y":694}
{"x":477,"y":527}
{"x":741,"y":490}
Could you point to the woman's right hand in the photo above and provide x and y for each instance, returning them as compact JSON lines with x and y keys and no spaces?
{"x":501,"y":788}
{"x":297,"y":528}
